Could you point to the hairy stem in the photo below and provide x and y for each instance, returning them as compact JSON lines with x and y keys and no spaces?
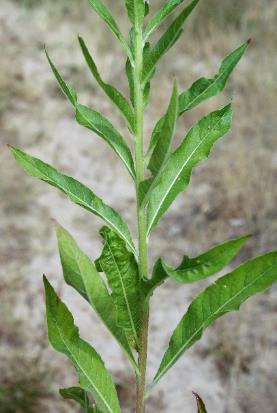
{"x":141,"y":217}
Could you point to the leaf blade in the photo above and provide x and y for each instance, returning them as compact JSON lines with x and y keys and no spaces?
{"x":122,"y":273}
{"x":75,"y":190}
{"x":201,"y":408}
{"x":81,"y":274}
{"x":64,"y":337}
{"x":136,"y":11}
{"x":225,"y":295}
{"x":194,"y":148}
{"x":78,"y":395}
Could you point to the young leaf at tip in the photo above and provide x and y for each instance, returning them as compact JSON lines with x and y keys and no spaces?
{"x":176,"y":174}
{"x":206,"y":264}
{"x":78,"y":395}
{"x":97,"y":123}
{"x":81,"y":274}
{"x":225,"y":295}
{"x":136,"y":11}
{"x":106,"y":15}
{"x":122,"y":273}
{"x":166,"y":41}
{"x":116,"y":97}
{"x":64,"y":337}
{"x":163,"y":148}
{"x":201,"y":408}
{"x":203,"y":89}
{"x":75,"y":190}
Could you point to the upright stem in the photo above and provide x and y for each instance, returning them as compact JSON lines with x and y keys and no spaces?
{"x":141,"y":216}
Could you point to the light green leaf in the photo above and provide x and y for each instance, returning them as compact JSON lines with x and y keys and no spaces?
{"x":75,"y":190}
{"x":167,"y":40}
{"x":160,"y":16}
{"x":116,"y":97}
{"x":200,"y":404}
{"x":225,"y":295}
{"x":64,"y":337}
{"x":203,"y":89}
{"x":80,"y":273}
{"x":163,"y":148}
{"x":122,"y":273}
{"x":207,"y":264}
{"x":106,"y":15}
{"x":194,"y":148}
{"x":99,"y":124}
{"x":67,"y":89}
{"x":78,"y":395}
{"x":136,"y":11}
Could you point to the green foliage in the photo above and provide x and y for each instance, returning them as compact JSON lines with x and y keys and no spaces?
{"x":121,"y":300}
{"x":200,"y":404}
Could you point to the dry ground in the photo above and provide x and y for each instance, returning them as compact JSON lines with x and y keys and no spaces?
{"x":234,"y":367}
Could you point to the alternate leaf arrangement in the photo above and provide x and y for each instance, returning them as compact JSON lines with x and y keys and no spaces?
{"x":122,"y":300}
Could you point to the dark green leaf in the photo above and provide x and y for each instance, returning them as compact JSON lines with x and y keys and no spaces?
{"x":105,"y":14}
{"x":203,"y":89}
{"x":167,"y":40}
{"x":207,"y":264}
{"x":67,"y":90}
{"x":121,"y":270}
{"x":200,"y":404}
{"x":116,"y":97}
{"x":194,"y":148}
{"x":64,"y":337}
{"x":99,"y":124}
{"x":158,"y":277}
{"x":78,"y":395}
{"x":136,"y":11}
{"x":80,"y":273}
{"x":75,"y":190}
{"x":225,"y":295}
{"x":160,"y":16}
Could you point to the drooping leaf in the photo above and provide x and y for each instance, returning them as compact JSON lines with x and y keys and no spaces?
{"x":75,"y":190}
{"x":96,"y":122}
{"x":80,"y":273}
{"x":160,"y":16}
{"x":203,"y":89}
{"x":194,"y":148}
{"x":116,"y":97}
{"x":207,"y":264}
{"x":64,"y":337}
{"x":163,"y":148}
{"x":106,"y":15}
{"x":121,"y":270}
{"x":136,"y":11}
{"x":200,"y":404}
{"x":78,"y":395}
{"x":67,"y":89}
{"x":167,"y":40}
{"x":225,"y":295}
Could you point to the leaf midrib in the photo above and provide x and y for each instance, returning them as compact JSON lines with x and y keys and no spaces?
{"x":208,"y":319}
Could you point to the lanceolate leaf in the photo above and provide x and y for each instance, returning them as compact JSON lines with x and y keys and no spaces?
{"x":158,"y":277}
{"x":121,"y":270}
{"x":166,"y":41}
{"x":67,"y":89}
{"x":99,"y":124}
{"x":209,"y":263}
{"x":163,"y":148}
{"x":136,"y":11}
{"x":200,"y":404}
{"x":160,"y":16}
{"x":96,"y":122}
{"x":203,"y":89}
{"x":116,"y":97}
{"x":64,"y":337}
{"x":226,"y":294}
{"x":106,"y":15}
{"x":78,"y":395}
{"x":76,"y":191}
{"x":194,"y":148}
{"x":80,"y":273}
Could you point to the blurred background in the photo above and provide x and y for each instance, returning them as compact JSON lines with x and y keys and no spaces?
{"x":234,"y":366}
